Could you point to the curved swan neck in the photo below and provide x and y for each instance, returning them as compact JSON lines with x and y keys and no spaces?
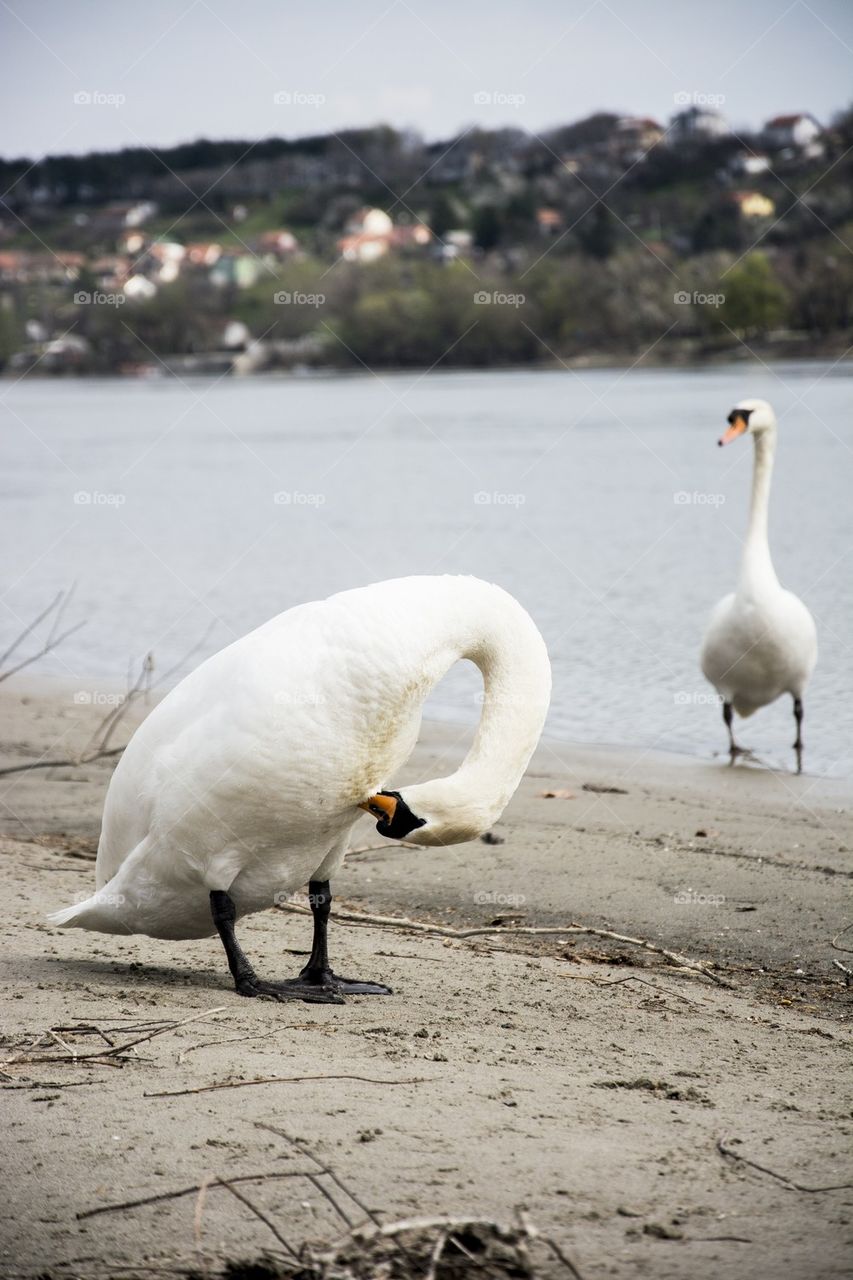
{"x":516,"y":692}
{"x":494,"y":632}
{"x":757,"y":566}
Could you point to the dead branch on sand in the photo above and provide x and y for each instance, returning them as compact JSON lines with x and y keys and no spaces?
{"x":446,"y":1247}
{"x":726,"y":1151}
{"x":98,"y":746}
{"x":56,"y":607}
{"x":446,"y":931}
{"x":112,"y":1056}
{"x":243,"y":1084}
{"x":834,"y":943}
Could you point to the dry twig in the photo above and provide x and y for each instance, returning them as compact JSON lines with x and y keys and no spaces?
{"x":57,"y":607}
{"x":780,"y":1177}
{"x":446,"y":931}
{"x":98,"y":746}
{"x":242,"y":1084}
{"x":102,"y":1057}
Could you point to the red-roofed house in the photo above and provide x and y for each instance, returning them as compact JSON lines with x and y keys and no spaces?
{"x":800,"y":130}
{"x":371,"y":233}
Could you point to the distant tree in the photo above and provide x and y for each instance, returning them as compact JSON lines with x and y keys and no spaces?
{"x":487,"y":227}
{"x":720,"y":226}
{"x":11,"y":334}
{"x":442,"y":217}
{"x":588,"y":132}
{"x":821,"y":285}
{"x":755,"y":298}
{"x":597,"y":233}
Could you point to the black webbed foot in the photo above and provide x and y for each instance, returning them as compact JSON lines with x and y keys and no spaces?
{"x":293,"y":989}
{"x":325,"y":979}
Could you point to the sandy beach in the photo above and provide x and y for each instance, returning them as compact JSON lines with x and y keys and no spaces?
{"x":585,"y":1082}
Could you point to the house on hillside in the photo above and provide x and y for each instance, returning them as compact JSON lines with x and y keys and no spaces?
{"x":549,"y":221}
{"x":752,"y":204}
{"x":697,"y":124}
{"x":114,"y":218}
{"x":749,"y":162}
{"x":799,"y":132}
{"x":203,"y":253}
{"x":25,"y":267}
{"x":167,"y":257}
{"x":280,"y":244}
{"x":371,"y":233}
{"x":241,"y":270}
{"x":635,"y":136}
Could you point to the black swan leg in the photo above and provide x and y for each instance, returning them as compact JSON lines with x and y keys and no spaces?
{"x":734,"y":749}
{"x":798,"y":744}
{"x":246,"y":981}
{"x":317,"y":971}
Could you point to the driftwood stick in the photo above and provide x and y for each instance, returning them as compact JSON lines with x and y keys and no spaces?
{"x":324,"y":1168}
{"x":103,"y":1055}
{"x":198,"y":1212}
{"x":725,"y":1150}
{"x":841,"y":932}
{"x":314,"y":1179}
{"x":208,"y":1183}
{"x":30,"y":628}
{"x":446,"y":931}
{"x":259,"y":1213}
{"x":558,"y":1253}
{"x":243,"y":1084}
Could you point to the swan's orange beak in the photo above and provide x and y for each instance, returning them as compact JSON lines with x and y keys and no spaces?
{"x":737,"y":425}
{"x":380,"y":807}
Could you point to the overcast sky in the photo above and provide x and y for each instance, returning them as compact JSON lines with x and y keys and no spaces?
{"x":166,"y":71}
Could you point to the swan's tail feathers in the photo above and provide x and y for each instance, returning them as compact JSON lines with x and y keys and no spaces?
{"x":101,"y":913}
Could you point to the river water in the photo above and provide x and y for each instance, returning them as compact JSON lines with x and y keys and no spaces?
{"x":599,"y":498}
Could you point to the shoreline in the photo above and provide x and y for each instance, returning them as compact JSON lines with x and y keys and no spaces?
{"x":683,"y":358}
{"x":61,"y":690}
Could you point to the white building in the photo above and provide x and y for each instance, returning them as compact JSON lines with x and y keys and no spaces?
{"x":800,"y":131}
{"x":697,"y":124}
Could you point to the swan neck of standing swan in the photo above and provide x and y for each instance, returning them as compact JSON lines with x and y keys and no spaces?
{"x":513,"y":660}
{"x":757,"y":569}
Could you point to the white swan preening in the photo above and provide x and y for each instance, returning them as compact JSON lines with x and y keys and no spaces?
{"x":246,"y":780}
{"x":761,"y":641}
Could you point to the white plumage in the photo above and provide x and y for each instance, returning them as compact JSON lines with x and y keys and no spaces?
{"x":248,"y":777}
{"x":761,"y":640}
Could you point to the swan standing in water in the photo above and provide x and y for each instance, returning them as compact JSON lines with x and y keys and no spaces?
{"x":246,"y":780}
{"x":761,"y":641}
